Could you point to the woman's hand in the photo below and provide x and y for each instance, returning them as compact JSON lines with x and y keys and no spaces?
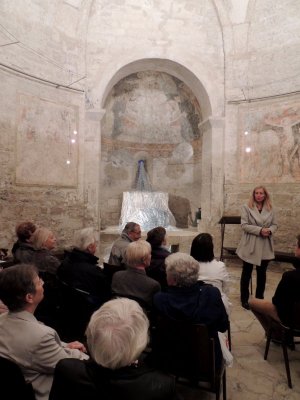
{"x":76,"y":345}
{"x":265,"y":232}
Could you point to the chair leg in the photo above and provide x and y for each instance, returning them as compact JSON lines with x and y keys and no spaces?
{"x":269,"y":336}
{"x":287,"y":364}
{"x":224,"y":385}
{"x":229,"y":336}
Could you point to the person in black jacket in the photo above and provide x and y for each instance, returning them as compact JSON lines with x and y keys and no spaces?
{"x":157,"y":269}
{"x":22,"y":250}
{"x":80,"y":269}
{"x":281,"y":306}
{"x":116,"y":336}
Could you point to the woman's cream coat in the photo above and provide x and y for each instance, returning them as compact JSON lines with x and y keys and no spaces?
{"x":253,"y":247}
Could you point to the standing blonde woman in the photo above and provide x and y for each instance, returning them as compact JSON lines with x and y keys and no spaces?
{"x":256,"y":246}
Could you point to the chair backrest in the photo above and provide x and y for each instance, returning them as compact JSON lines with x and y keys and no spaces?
{"x":74,"y":313}
{"x":184,"y":349}
{"x":110,"y":269}
{"x":13,"y":385}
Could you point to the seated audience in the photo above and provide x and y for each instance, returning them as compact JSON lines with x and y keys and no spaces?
{"x":281,"y":306}
{"x":44,"y":241}
{"x":188,"y":299}
{"x":35,"y":347}
{"x":157,"y":269}
{"x":80,"y":269}
{"x":116,"y":336}
{"x":211,"y":271}
{"x":23,"y":251}
{"x":130,"y":233}
{"x":133,"y":282}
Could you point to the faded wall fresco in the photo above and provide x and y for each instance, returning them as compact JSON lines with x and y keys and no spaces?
{"x":44,"y":133}
{"x":151,"y":116}
{"x":270,"y":152}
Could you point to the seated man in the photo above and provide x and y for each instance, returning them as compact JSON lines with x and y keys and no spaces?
{"x":35,"y":347}
{"x":188,"y":299}
{"x":133,"y":282}
{"x":23,"y":250}
{"x":130,"y":233}
{"x":116,"y":336}
{"x":286,"y":294}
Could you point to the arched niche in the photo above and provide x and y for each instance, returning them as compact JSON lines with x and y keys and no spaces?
{"x":153,"y":113}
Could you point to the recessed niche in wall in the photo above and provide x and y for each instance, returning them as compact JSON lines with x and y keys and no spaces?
{"x":155,"y":114}
{"x":47,"y":143}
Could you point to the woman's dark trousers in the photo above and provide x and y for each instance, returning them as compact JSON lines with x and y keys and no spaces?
{"x":260,"y":281}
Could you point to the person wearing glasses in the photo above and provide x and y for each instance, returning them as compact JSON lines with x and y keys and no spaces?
{"x":131,"y":233}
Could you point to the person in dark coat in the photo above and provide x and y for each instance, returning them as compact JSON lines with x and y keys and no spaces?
{"x":157,"y":269}
{"x":23,"y":250}
{"x":188,"y":299}
{"x":116,"y":336}
{"x":133,"y":282}
{"x":80,"y":269}
{"x":281,"y":306}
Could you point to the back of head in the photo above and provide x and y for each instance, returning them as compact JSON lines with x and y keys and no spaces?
{"x":117,"y":333}
{"x":83,"y":238}
{"x":15,"y":283}
{"x":203,"y":248}
{"x":156,"y":236}
{"x":182,"y":269}
{"x":39,"y":237}
{"x":24,"y":230}
{"x":137,"y":253}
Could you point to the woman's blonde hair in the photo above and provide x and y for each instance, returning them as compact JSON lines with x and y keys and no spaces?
{"x":117,"y":333}
{"x":267,"y":200}
{"x":39,"y":237}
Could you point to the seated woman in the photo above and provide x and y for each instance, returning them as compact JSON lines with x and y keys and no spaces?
{"x":80,"y":269}
{"x":43,"y":240}
{"x":188,"y":299}
{"x":157,"y":269}
{"x":210,"y":270}
{"x":22,"y":250}
{"x":133,"y":282}
{"x":116,"y":336}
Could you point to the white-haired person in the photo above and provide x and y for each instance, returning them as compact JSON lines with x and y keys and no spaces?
{"x":134,"y":282}
{"x":34,"y":347}
{"x":188,"y":299}
{"x":80,"y":269}
{"x":44,"y":241}
{"x":116,"y":337}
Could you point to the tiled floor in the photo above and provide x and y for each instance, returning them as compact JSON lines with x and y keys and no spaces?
{"x":251,"y":377}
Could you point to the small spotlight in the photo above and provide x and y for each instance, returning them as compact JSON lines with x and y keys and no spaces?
{"x":73,"y":141}
{"x":248,"y":149}
{"x":68,"y":162}
{"x":246,"y":133}
{"x":75,"y":132}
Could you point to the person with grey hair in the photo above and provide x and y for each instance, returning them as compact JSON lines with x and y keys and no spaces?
{"x":117,"y":334}
{"x":134,"y":282}
{"x":188,"y":299}
{"x":131,"y":233}
{"x":80,"y":269}
{"x":33,"y":346}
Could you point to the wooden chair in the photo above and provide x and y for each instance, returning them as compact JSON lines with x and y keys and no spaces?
{"x":110,"y":269}
{"x":13,"y":384}
{"x":186,"y":351}
{"x":288,"y":333}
